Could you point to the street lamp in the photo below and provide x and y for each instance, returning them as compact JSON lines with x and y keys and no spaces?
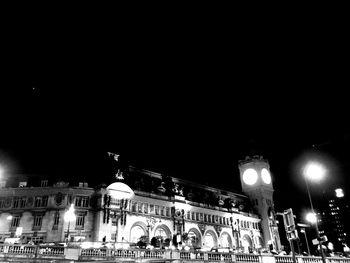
{"x":314,"y":171}
{"x":69,"y":216}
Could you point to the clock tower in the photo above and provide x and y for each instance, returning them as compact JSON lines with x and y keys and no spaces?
{"x":257,"y":185}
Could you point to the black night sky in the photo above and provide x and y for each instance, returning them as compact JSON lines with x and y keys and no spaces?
{"x":188,"y":105}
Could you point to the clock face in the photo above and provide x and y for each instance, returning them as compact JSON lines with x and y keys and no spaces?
{"x":250,"y":176}
{"x":265,"y":175}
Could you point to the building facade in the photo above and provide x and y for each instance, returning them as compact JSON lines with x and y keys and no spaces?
{"x":163,"y":211}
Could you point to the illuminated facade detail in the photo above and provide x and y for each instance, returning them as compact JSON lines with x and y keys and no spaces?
{"x":260,"y":194}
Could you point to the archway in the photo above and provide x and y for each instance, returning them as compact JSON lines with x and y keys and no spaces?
{"x":162,"y":236}
{"x":225,"y":240}
{"x":194,"y":238}
{"x":258,"y":242}
{"x":210,"y":239}
{"x":137,"y":230}
{"x":246,"y":243}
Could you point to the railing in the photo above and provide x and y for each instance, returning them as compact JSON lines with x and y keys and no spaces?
{"x":54,"y":252}
{"x":247,"y":258}
{"x":51,"y":251}
{"x":284,"y":259}
{"x":219,"y":256}
{"x":122,"y":253}
{"x":308,"y":259}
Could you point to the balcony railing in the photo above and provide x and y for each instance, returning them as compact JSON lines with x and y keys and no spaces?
{"x":139,"y":255}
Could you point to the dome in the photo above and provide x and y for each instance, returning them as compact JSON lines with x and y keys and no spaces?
{"x":120,"y":190}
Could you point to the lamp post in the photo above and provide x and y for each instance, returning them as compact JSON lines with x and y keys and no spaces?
{"x":314,"y":171}
{"x":69,"y":216}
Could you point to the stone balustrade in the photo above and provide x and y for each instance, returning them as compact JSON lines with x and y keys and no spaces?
{"x":141,"y":255}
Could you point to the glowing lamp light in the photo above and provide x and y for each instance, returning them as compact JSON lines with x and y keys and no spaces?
{"x":330,"y":246}
{"x":250,"y":176}
{"x":339,"y":193}
{"x":311,"y":217}
{"x":9,"y":218}
{"x":69,"y":216}
{"x":314,"y":171}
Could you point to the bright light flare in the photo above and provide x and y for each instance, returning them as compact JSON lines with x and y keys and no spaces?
{"x":339,"y":193}
{"x":311,"y":217}
{"x":314,"y":171}
{"x":69,"y":216}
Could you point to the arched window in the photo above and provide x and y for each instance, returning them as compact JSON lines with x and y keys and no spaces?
{"x":246,"y":243}
{"x":161,"y":232}
{"x":194,"y":238}
{"x":225,"y":240}
{"x":135,"y":233}
{"x":209,"y":240}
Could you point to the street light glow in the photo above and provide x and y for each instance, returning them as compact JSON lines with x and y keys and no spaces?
{"x":311,"y":217}
{"x":314,"y":171}
{"x":69,"y":216}
{"x":339,"y":193}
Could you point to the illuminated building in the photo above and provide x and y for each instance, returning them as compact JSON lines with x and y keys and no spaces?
{"x":163,"y":210}
{"x":336,"y":218}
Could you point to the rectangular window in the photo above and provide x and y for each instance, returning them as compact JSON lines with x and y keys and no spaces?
{"x":16,"y":202}
{"x":80,"y":221}
{"x":140,"y":208}
{"x":188,"y":215}
{"x":15,"y":221}
{"x":156,"y":210}
{"x":209,"y":218}
{"x":205,"y":218}
{"x":167,"y":212}
{"x":162,"y":210}
{"x":145,"y":208}
{"x":41,"y":201}
{"x":45,"y":200}
{"x":82,"y":201}
{"x":2,"y":203}
{"x":56,"y":220}
{"x":193,"y":216}
{"x":133,"y":206}
{"x":151,"y":209}
{"x":38,"y":219}
{"x":23,"y":202}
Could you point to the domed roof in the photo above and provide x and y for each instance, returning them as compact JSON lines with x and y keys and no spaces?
{"x":120,"y":190}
